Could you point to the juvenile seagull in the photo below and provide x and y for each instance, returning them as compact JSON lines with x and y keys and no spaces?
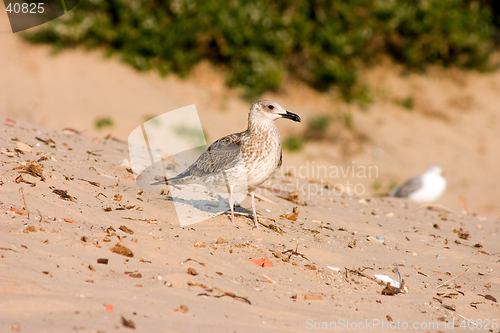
{"x":426,"y":188}
{"x":240,"y":161}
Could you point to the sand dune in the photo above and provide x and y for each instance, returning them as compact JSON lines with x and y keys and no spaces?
{"x":70,"y":204}
{"x":70,"y":209}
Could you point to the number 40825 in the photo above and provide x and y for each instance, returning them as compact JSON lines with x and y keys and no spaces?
{"x":25,"y":8}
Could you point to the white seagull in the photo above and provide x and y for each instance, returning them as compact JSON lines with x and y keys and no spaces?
{"x":240,"y":161}
{"x":426,"y":188}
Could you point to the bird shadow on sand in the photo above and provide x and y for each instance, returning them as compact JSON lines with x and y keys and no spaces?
{"x":218,"y":206}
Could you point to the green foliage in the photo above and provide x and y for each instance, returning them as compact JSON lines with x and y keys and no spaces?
{"x":393,"y":185}
{"x":345,"y":118}
{"x":364,"y":96}
{"x":191,"y":134}
{"x":101,"y":123}
{"x":320,"y":42}
{"x":317,"y":127}
{"x":293,"y":143}
{"x":376,"y":185}
{"x":408,"y":103}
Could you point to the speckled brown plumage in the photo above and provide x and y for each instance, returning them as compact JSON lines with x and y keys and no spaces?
{"x":241,"y":161}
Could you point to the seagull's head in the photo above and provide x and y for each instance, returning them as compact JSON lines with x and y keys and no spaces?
{"x":435,"y":169}
{"x":265,"y":110}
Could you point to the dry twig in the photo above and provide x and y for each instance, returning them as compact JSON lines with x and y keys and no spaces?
{"x":90,"y":182}
{"x":268,"y":278}
{"x":438,"y":207}
{"x":24,"y":200}
{"x":265,"y":199}
{"x":464,"y":205}
{"x":453,"y":278}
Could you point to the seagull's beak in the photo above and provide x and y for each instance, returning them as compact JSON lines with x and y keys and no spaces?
{"x":291,"y":116}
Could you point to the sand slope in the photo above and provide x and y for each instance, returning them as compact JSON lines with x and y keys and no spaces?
{"x":454,"y":122}
{"x":50,"y":279}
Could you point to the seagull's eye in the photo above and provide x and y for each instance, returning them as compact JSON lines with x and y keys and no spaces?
{"x":271,"y":107}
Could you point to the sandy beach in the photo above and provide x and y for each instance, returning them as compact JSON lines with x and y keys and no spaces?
{"x":83,"y":248}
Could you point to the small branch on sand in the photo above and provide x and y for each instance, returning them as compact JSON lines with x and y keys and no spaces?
{"x":268,"y":278}
{"x":438,"y":207}
{"x":24,"y":200}
{"x":90,"y":182}
{"x":265,"y":199}
{"x":358,"y":272}
{"x":8,"y":249}
{"x":453,"y":278}
{"x":464,"y":205}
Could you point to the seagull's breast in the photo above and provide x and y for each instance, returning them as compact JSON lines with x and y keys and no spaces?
{"x":262,"y":155}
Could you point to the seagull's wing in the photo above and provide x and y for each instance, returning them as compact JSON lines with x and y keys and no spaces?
{"x":405,"y":190}
{"x":221,"y":155}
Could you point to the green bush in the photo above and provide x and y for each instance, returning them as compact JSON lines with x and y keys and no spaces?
{"x":408,"y":103}
{"x":103,"y":122}
{"x":320,"y":42}
{"x":293,"y":144}
{"x":317,"y":127}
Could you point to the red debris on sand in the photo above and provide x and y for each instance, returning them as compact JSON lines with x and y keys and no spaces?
{"x":262,"y":262}
{"x":69,"y":221}
{"x":109,"y":307}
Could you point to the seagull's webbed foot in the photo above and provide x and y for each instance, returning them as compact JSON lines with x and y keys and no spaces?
{"x":242,"y":227}
{"x":234,"y":223}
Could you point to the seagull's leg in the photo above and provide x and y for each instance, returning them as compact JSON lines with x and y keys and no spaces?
{"x":231,"y":205}
{"x":255,"y":222}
